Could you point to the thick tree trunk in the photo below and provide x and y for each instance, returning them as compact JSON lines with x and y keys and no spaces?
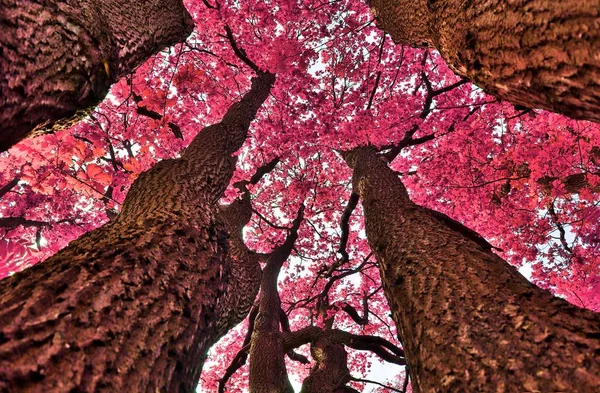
{"x":535,"y":53}
{"x":469,"y":322}
{"x":245,"y":265}
{"x":134,"y":305}
{"x":268,"y":372}
{"x":58,"y":58}
{"x":330,"y":372}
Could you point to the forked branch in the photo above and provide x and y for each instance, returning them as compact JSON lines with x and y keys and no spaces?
{"x":380,"y":346}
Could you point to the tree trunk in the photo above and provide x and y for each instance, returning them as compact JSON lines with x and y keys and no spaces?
{"x":330,"y":372}
{"x":133,"y":306}
{"x":268,"y":373}
{"x":534,"y":53}
{"x":59,"y":58}
{"x":469,"y":322}
{"x":245,"y":265}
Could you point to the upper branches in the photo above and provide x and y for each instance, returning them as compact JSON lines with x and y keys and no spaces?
{"x":241,"y":54}
{"x":409,"y":139}
{"x":258,"y":174}
{"x":144,"y":111}
{"x":269,"y":298}
{"x":432,"y":93}
{"x":345,"y":227}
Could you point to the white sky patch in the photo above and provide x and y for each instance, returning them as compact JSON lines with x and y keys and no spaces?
{"x":526,"y":270}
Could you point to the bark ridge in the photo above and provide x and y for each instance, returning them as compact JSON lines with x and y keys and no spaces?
{"x":534,"y":53}
{"x":468,"y":321}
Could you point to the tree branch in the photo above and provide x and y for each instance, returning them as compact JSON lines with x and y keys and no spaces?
{"x":323,"y":295}
{"x":263,"y":170}
{"x":240,"y":358}
{"x":208,"y":5}
{"x":380,"y":346}
{"x":284,"y":321}
{"x":108,"y":196}
{"x":13,"y":222}
{"x":258,"y":175}
{"x":333,"y":279}
{"x":378,"y":77}
{"x":448,"y":88}
{"x":269,"y":223}
{"x":285,"y":327}
{"x":9,"y":186}
{"x":406,"y":379}
{"x":241,"y":53}
{"x":404,"y":142}
{"x":238,"y":361}
{"x":561,"y":229}
{"x":297,"y":357}
{"x":144,"y":111}
{"x":376,"y":383}
{"x":280,"y":255}
{"x":352,"y":202}
{"x":351,"y":311}
{"x":431,"y":93}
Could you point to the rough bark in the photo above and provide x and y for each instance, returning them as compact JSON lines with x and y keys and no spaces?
{"x":468,"y":321}
{"x":134,"y":305}
{"x":59,"y":57}
{"x":534,"y":53}
{"x":330,"y":372}
{"x":244,"y":281}
{"x":246,"y":272}
{"x":379,"y":346}
{"x":268,"y":373}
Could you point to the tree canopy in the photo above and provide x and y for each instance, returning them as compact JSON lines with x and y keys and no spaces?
{"x":525,"y":179}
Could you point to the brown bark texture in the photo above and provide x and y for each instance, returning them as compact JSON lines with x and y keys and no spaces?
{"x":535,"y":53}
{"x":268,"y":372}
{"x":468,"y":321}
{"x":245,"y":265}
{"x":58,"y":58}
{"x":133,"y":306}
{"x":330,"y":372}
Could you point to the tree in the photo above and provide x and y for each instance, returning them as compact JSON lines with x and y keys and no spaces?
{"x":467,"y":320}
{"x":59,"y":58}
{"x":131,"y":305}
{"x":267,"y":345}
{"x":532,"y":54}
{"x":341,"y":84}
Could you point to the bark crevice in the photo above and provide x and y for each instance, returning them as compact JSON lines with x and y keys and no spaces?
{"x":468,"y":320}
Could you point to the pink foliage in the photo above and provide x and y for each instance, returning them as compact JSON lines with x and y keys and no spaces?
{"x":529,"y":182}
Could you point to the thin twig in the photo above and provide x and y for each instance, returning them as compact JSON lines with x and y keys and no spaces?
{"x":376,"y":383}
